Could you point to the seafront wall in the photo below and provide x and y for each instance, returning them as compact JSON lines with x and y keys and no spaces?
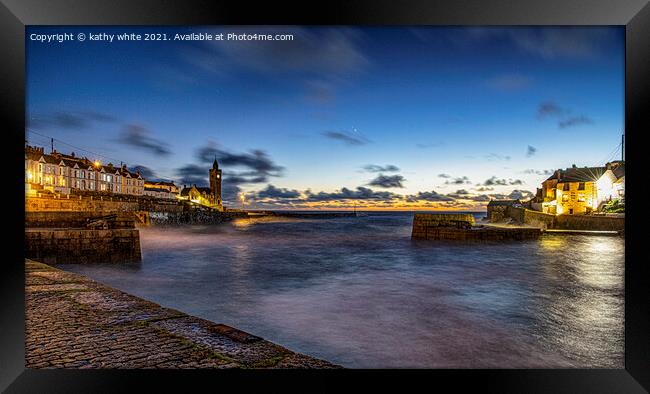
{"x":98,"y":205}
{"x":529,"y":217}
{"x":74,"y":322}
{"x":590,"y":222}
{"x":566,"y":222}
{"x":79,"y":246}
{"x":70,"y":219}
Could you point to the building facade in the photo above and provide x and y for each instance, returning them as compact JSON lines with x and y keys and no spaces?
{"x":61,"y":173}
{"x":582,"y":190}
{"x":206,"y":196}
{"x":161,"y":189}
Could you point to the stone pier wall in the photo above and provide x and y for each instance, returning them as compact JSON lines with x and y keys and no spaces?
{"x":194,"y":217}
{"x":566,"y":222}
{"x":423,"y":222}
{"x":79,"y":246}
{"x":74,"y":322}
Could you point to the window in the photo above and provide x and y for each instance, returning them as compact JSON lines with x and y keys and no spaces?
{"x":566,"y":187}
{"x":581,"y":186}
{"x":581,"y":197}
{"x":565,"y":197}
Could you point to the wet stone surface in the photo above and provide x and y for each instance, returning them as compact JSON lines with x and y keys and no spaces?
{"x":74,"y":322}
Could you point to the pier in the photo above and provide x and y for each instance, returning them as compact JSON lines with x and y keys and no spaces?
{"x":461,"y":227}
{"x":75,"y":322}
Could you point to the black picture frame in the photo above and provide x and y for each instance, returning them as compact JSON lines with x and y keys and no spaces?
{"x":633,"y":14}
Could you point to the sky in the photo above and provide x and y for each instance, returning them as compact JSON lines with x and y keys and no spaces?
{"x":409,"y":118}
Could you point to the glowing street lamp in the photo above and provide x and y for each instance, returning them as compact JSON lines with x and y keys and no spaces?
{"x":97,"y":163}
{"x":242,"y":198}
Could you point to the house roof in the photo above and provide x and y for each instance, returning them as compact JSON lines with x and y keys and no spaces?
{"x":578,"y":174}
{"x":619,"y":171}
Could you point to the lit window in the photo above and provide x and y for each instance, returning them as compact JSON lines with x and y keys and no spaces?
{"x":565,"y":197}
{"x":581,"y":197}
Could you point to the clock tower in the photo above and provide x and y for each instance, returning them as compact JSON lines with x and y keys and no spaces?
{"x":215,"y":182}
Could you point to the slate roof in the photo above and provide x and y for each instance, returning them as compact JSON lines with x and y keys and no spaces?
{"x":579,"y":174}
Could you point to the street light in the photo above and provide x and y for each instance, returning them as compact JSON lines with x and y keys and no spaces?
{"x":242,"y":197}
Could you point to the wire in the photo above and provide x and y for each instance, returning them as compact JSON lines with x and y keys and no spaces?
{"x":49,"y":138}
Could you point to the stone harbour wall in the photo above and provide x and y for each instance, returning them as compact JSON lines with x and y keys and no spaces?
{"x":479,"y":234}
{"x":74,"y":322}
{"x":566,"y":222}
{"x":194,"y":217}
{"x":79,"y":246}
{"x":68,"y":219}
{"x":590,"y":222}
{"x":98,"y":205}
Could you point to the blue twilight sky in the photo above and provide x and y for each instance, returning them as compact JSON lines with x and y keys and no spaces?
{"x":381,"y":117}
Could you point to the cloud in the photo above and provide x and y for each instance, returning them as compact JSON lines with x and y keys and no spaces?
{"x":484,"y":189}
{"x":361,"y":193}
{"x":520,"y":194}
{"x":320,"y":92}
{"x":387,"y":181}
{"x":71,"y":120}
{"x":314,"y":51}
{"x":193,"y":174}
{"x":531,"y":151}
{"x":479,"y":198}
{"x":461,"y":193}
{"x":565,"y":119}
{"x":428,"y":196}
{"x":444,"y":176}
{"x":346,"y":137}
{"x":540,"y":42}
{"x":272,"y":192}
{"x":378,"y":168}
{"x":458,"y":181}
{"x":538,"y":172}
{"x":146,"y":172}
{"x":137,"y":136}
{"x":256,"y":165}
{"x":509,"y":82}
{"x":549,"y":108}
{"x":574,"y":121}
{"x":494,"y":181}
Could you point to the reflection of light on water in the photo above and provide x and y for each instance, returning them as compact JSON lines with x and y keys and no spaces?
{"x":551,"y":243}
{"x":603,"y":255}
{"x":242,"y":259}
{"x":602,"y":245}
{"x":242,"y":223}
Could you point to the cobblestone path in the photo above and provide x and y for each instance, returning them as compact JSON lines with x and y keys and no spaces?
{"x":74,"y":322}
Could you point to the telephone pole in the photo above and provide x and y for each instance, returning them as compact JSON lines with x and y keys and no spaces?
{"x":623,"y":146}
